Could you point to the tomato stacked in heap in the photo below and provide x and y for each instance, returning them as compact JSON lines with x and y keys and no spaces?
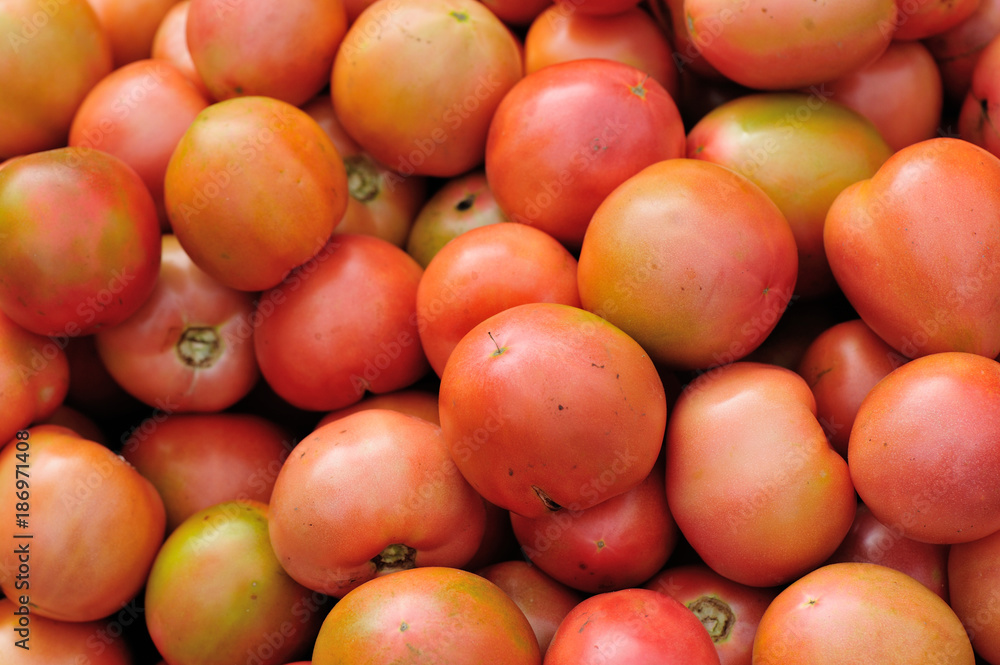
{"x":466,"y":331}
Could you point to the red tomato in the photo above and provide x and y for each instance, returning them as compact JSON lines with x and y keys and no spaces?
{"x":517,"y":12}
{"x":958,"y":49}
{"x":974,"y":576}
{"x":30,"y":638}
{"x":841,"y":366}
{"x":81,"y":424}
{"x":572,"y":409}
{"x":357,"y":297}
{"x":544,"y":601}
{"x":217,"y":594}
{"x":751,"y":480}
{"x":663,"y":259}
{"x":980,"y":107}
{"x":439,"y":615}
{"x":597,"y":7}
{"x":415,"y":402}
{"x":57,"y":53}
{"x":139,"y":113}
{"x":729,"y":611}
{"x":568,"y":134}
{"x":371,"y":494}
{"x":687,"y":57}
{"x":391,"y":94}
{"x":188,"y":347}
{"x":198,"y":461}
{"x":284,"y":51}
{"x":170,"y":43}
{"x":919,"y":268}
{"x":131,"y":26}
{"x":82,"y":241}
{"x":267,"y":178}
{"x":923,"y":449}
{"x":859,"y":612}
{"x":34,"y":377}
{"x":484,"y":272}
{"x":919,"y":19}
{"x":631,"y":626}
{"x":632,"y":37}
{"x":96,"y":525}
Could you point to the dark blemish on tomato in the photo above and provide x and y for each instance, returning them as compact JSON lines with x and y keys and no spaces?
{"x":510,"y":472}
{"x":597,"y":366}
{"x":465,"y":203}
{"x":561,"y":407}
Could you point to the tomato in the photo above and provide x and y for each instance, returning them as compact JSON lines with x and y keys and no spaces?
{"x":498,"y":543}
{"x":198,"y":461}
{"x":751,"y":480}
{"x":463,"y":203}
{"x":34,"y":377}
{"x":30,"y":638}
{"x":415,"y":402}
{"x":95,"y":525}
{"x":217,"y":594}
{"x":917,"y":267}
{"x":785,"y":44}
{"x":483,"y":272}
{"x":267,"y":49}
{"x":517,"y":12}
{"x":358,"y":296}
{"x":188,"y":347}
{"x":975,"y":121}
{"x":371,"y":494}
{"x":170,"y":43}
{"x":922,"y":451}
{"x":631,"y":626}
{"x":82,"y":424}
{"x":802,"y":151}
{"x":382,"y":203}
{"x":841,"y":366}
{"x":617,"y":544}
{"x":859,"y":612}
{"x":130,"y":26}
{"x":437,"y":614}
{"x":267,"y":178}
{"x":546,"y":406}
{"x":566,"y":135}
{"x":663,"y":259}
{"x":631,"y":37}
{"x":390,"y":96}
{"x":139,"y":113}
{"x":729,"y":611}
{"x":919,"y":19}
{"x":687,"y":58}
{"x":58,"y":52}
{"x":958,"y":49}
{"x":84,"y":205}
{"x":974,"y":575}
{"x":544,"y":601}
{"x":900,"y":92}
{"x":597,"y":7}
{"x":873,"y":542}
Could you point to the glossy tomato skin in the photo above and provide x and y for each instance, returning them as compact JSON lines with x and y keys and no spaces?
{"x":844,"y":612}
{"x":786,"y":501}
{"x":631,"y":626}
{"x":188,"y":347}
{"x":448,"y":616}
{"x":390,"y":94}
{"x":101,"y":523}
{"x":974,"y":575}
{"x":939,"y":294}
{"x":545,"y":406}
{"x":729,"y":611}
{"x":567,"y":135}
{"x":661,"y":259}
{"x":802,"y":151}
{"x":170,"y":43}
{"x":254,"y":189}
{"x":248,"y":608}
{"x":352,"y":311}
{"x":70,"y":53}
{"x":368,"y":495}
{"x":923,"y":451}
{"x":56,"y":642}
{"x":86,"y":204}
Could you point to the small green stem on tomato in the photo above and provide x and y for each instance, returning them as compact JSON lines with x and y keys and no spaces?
{"x":199,"y":347}
{"x":715,"y":614}
{"x":395,"y":557}
{"x":362,"y":177}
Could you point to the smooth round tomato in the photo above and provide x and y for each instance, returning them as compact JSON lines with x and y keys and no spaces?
{"x":131,"y":26}
{"x":391,"y":92}
{"x":923,"y":451}
{"x":974,"y":577}
{"x":254,"y":188}
{"x":414,"y":401}
{"x":170,"y":43}
{"x":96,"y":525}
{"x":958,"y":49}
{"x":30,"y":638}
{"x":81,"y":247}
{"x":920,"y":19}
{"x":860,"y":612}
{"x":445,"y":615}
{"x":915,"y":263}
{"x":567,"y":135}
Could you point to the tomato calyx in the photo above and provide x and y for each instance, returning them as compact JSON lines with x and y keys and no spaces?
{"x":395,"y":557}
{"x":715,"y":614}
{"x":546,"y":499}
{"x":199,"y":346}
{"x":362,"y":177}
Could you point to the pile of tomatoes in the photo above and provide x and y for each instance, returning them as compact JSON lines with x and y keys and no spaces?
{"x":512,"y":331}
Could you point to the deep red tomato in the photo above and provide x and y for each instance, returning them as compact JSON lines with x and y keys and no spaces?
{"x":974,"y":576}
{"x":131,"y":26}
{"x":170,"y":43}
{"x":31,"y":639}
{"x":517,"y":12}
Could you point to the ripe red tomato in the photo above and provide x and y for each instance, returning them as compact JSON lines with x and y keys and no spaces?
{"x":915,"y":261}
{"x":923,"y":450}
{"x":170,"y":43}
{"x":415,"y":402}
{"x":567,"y":135}
{"x":34,"y":377}
{"x":958,"y":49}
{"x":81,"y":247}
{"x":860,"y":612}
{"x":445,"y":615}
{"x":30,"y":639}
{"x":597,"y":7}
{"x":517,"y":12}
{"x":974,"y":577}
{"x":130,"y":26}
{"x":920,"y":19}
